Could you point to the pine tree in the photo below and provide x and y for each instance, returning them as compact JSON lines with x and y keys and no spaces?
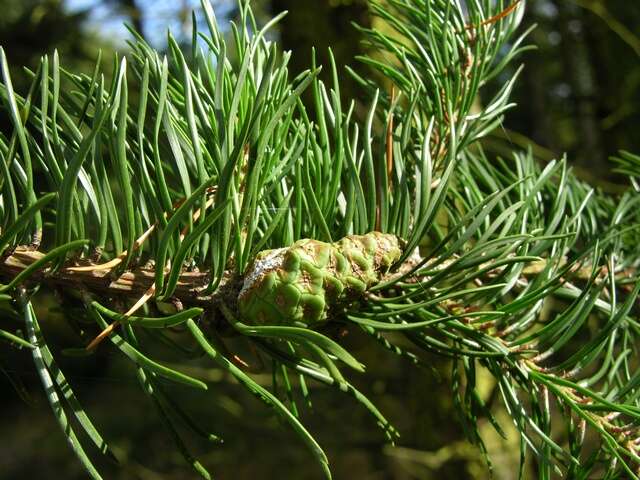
{"x":214,"y":202}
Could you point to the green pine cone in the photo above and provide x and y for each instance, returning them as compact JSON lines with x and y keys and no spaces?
{"x":299,"y":284}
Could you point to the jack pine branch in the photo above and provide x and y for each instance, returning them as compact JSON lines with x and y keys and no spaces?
{"x":214,"y":191}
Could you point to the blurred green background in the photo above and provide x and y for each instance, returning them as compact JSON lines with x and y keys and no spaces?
{"x":579,"y":94}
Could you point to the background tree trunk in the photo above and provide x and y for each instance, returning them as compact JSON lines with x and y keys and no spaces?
{"x":320,"y":24}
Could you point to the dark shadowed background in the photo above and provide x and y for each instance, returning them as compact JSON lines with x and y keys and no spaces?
{"x":579,"y":94}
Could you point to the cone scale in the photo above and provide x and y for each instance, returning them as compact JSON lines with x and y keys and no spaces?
{"x":301,"y":284}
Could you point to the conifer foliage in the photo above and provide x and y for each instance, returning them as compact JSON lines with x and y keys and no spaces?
{"x":202,"y":182}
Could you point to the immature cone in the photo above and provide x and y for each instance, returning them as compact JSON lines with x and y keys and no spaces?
{"x":302,"y":282}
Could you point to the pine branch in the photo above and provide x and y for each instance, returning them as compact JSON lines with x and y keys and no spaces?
{"x":130,"y":283}
{"x":82,"y":274}
{"x":215,"y":190}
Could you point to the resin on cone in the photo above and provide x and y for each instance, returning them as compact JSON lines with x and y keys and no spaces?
{"x":299,"y":285}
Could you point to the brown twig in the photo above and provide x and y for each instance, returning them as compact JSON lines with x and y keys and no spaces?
{"x":131,"y":283}
{"x":496,"y":18}
{"x":390,"y":138}
{"x":111,"y":327}
{"x":389,"y":159}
